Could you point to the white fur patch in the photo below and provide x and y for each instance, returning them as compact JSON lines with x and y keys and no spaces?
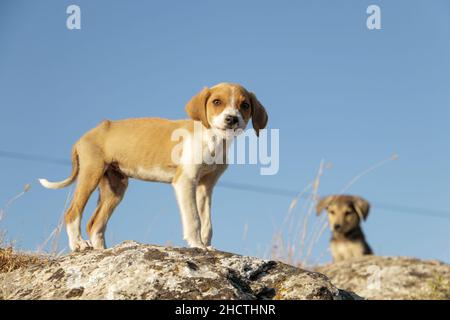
{"x":219,"y":120}
{"x":74,"y":233}
{"x":98,"y":241}
{"x":204,"y":147}
{"x":157,"y":173}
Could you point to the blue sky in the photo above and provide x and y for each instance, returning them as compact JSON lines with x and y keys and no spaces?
{"x":336,"y":90}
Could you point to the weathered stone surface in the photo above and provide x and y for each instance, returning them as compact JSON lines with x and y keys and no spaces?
{"x":136,"y":271}
{"x":374,"y":277}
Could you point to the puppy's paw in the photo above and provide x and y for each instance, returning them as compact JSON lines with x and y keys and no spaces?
{"x":82,"y":245}
{"x":198,"y":245}
{"x":211,"y":248}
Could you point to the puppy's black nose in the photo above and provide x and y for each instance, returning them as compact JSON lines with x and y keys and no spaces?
{"x":337,"y":227}
{"x":231,"y":120}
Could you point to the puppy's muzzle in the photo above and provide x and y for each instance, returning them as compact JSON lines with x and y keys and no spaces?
{"x":337,"y":227}
{"x":231,"y":121}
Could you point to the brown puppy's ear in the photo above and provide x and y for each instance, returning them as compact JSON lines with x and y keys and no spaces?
{"x":259,"y":114}
{"x":362,"y":207}
{"x":196,"y":107}
{"x":324,"y":203}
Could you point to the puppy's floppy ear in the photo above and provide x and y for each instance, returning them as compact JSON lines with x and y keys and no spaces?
{"x":259,"y":114}
{"x":324,"y":203}
{"x":362,"y":207}
{"x":196,"y":107}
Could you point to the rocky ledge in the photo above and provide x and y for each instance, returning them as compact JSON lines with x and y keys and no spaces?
{"x":387,"y":278}
{"x":137,"y":271}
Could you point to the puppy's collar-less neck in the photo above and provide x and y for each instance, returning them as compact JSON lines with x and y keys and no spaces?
{"x":353,"y":234}
{"x":218,"y":134}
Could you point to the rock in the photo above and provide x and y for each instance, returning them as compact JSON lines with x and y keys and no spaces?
{"x":374,"y":277}
{"x":136,"y":271}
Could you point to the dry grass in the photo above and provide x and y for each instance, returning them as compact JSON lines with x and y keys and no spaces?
{"x":52,"y":244}
{"x":439,"y":288}
{"x":3,"y":210}
{"x":3,"y":237}
{"x":11,"y":260}
{"x":294,"y":241}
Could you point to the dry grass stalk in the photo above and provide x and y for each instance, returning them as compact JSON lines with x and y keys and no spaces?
{"x":292,"y":243}
{"x":55,"y":236}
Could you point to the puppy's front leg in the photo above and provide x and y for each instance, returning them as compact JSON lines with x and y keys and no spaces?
{"x":204,"y":193}
{"x":204,"y":210}
{"x":185,"y":191}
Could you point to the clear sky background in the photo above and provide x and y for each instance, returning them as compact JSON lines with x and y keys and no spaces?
{"x":336,"y":90}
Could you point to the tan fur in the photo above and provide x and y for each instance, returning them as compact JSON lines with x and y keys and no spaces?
{"x":106,"y":156}
{"x":345,"y":213}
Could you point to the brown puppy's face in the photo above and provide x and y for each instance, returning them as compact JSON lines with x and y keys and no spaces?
{"x":342,"y":217}
{"x":345,"y":212}
{"x":227,"y":106}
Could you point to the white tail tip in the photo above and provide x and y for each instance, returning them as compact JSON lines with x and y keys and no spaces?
{"x":48,"y":184}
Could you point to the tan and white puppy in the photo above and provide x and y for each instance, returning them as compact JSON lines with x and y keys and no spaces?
{"x":114,"y":151}
{"x":345,"y":213}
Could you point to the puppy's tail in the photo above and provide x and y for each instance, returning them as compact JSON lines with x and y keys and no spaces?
{"x":69,"y":180}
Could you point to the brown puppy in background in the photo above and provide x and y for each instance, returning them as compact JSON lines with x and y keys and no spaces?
{"x":345,"y":214}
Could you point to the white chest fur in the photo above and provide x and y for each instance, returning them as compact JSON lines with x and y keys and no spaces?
{"x":207,"y":147}
{"x":155,"y":173}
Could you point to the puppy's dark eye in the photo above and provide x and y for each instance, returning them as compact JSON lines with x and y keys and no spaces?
{"x":331,"y":212}
{"x":245,"y":106}
{"x":217,"y":102}
{"x":347,"y":213}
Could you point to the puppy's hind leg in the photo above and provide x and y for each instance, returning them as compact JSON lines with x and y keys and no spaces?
{"x":112,"y":187}
{"x":90,"y":172}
